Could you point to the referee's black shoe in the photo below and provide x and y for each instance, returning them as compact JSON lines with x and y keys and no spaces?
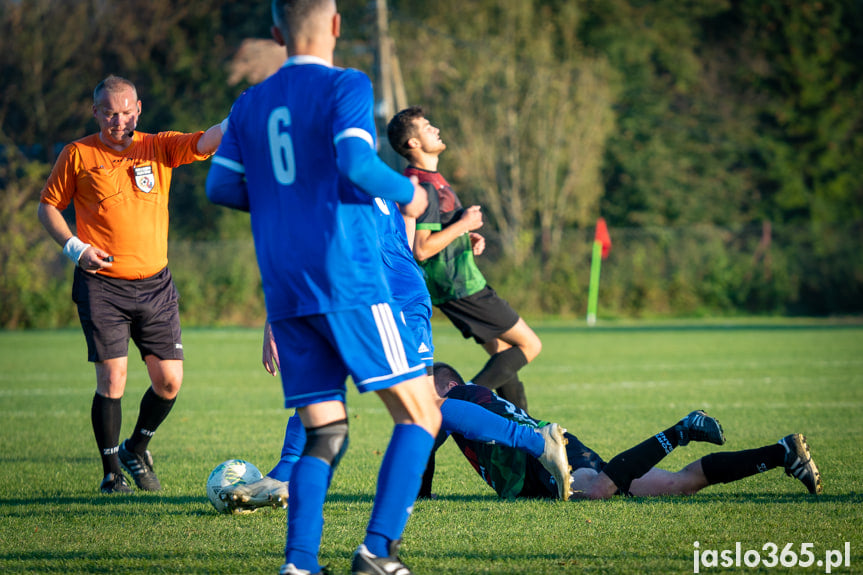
{"x":698,"y":426}
{"x":364,"y":563}
{"x":140,"y":467}
{"x":115,"y":483}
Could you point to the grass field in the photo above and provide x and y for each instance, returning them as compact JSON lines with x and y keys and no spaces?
{"x":610,"y":386}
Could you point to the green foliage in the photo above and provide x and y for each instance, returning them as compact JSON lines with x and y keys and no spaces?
{"x":686,"y":272}
{"x":811,"y":129}
{"x":219,"y":283}
{"x":611,"y":386}
{"x":29,"y":258}
{"x":524,"y":112}
{"x":707,"y":118}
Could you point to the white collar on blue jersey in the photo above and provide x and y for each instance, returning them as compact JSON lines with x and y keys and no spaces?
{"x":305,"y":59}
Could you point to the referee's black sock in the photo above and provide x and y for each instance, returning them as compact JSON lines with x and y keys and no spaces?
{"x":106,"y":415}
{"x":636,"y":461}
{"x":154,"y":410}
{"x":500,"y":368}
{"x":728,"y":466}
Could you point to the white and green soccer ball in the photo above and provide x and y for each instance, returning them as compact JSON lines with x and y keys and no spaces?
{"x":230,"y":472}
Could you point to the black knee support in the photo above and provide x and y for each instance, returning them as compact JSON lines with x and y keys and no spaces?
{"x":328,"y":442}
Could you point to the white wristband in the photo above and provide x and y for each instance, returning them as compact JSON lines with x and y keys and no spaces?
{"x":74,"y":248}
{"x":224,"y":125}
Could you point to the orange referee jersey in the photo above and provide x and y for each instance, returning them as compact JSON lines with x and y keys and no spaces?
{"x":121,"y":198}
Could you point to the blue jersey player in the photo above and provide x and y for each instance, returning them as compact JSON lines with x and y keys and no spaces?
{"x":299,"y":155}
{"x":405,"y":277}
{"x":411,"y":301}
{"x":411,"y":297}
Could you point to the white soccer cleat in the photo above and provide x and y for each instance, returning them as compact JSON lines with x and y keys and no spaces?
{"x":266,"y":492}
{"x":554,"y":458}
{"x":364,"y":563}
{"x":291,"y":569}
{"x":799,"y":464}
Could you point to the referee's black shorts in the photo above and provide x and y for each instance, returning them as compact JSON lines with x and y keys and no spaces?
{"x":483,"y":316}
{"x":113,"y":310}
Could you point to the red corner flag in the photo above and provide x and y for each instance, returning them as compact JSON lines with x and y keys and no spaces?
{"x":602,"y":237}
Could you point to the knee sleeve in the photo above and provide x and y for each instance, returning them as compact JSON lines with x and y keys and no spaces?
{"x":328,"y":442}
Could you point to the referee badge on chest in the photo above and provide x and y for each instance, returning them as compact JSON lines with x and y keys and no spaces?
{"x":144,"y":178}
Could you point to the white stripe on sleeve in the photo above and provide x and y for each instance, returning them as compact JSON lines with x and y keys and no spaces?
{"x":230,"y":164}
{"x":355,"y":133}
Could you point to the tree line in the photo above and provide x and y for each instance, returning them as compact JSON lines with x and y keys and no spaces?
{"x":720,"y":139}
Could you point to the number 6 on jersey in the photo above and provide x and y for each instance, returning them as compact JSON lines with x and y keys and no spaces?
{"x":281,"y":146}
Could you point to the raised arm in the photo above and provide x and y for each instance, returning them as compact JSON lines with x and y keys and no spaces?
{"x":209,"y":142}
{"x":358,"y":162}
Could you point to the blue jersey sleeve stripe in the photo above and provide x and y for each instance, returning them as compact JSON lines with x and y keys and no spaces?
{"x":355,"y":133}
{"x":230,"y":164}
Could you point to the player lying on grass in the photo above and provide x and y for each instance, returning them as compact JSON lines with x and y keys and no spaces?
{"x":546,"y":445}
{"x":515,"y":474}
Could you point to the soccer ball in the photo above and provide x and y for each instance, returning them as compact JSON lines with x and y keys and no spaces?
{"x":230,"y":472}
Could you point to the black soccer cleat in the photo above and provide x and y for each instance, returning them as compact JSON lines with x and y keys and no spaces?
{"x":364,"y":563}
{"x":115,"y":483}
{"x":698,"y":426}
{"x":140,"y":467}
{"x":799,"y":464}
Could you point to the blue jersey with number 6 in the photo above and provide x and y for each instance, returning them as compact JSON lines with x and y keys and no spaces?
{"x":315,"y":232}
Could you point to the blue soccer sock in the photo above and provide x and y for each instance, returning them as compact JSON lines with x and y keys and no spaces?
{"x":292,"y":449}
{"x":398,"y":484}
{"x":309,"y":482}
{"x":475,"y":422}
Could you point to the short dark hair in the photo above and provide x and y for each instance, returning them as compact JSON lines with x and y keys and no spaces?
{"x":290,"y":16}
{"x":444,"y":373}
{"x":113,"y":84}
{"x":402,"y":128}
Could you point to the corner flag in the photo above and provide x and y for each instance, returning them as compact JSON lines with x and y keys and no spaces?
{"x":602,"y":237}
{"x":601,"y":249}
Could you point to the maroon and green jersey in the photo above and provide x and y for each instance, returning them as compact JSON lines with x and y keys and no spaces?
{"x":510,"y":472}
{"x":452,"y":273}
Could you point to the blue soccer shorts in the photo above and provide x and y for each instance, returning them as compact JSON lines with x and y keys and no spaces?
{"x":318,"y":352}
{"x":417,"y":316}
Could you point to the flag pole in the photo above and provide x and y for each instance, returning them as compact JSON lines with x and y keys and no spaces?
{"x":593,"y":294}
{"x":601,"y":249}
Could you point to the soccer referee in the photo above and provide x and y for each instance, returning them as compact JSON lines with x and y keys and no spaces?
{"x":119,"y":180}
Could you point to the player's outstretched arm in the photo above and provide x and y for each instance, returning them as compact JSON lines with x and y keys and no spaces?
{"x":358,"y":162}
{"x":226,"y":184}
{"x":209,"y":142}
{"x":411,"y":211}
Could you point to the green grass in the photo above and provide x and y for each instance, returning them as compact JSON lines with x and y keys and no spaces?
{"x":610,"y":386}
